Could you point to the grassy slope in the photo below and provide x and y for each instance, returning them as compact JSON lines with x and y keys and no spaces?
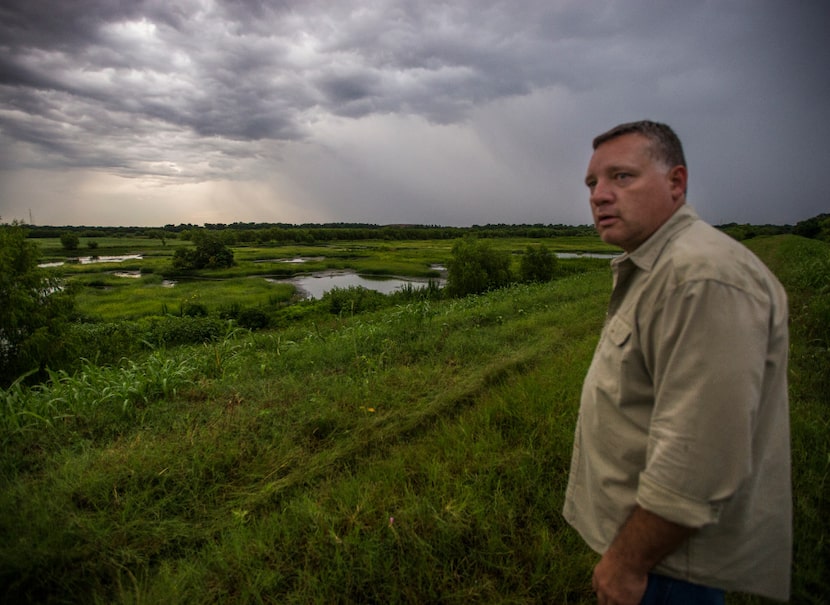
{"x":417,"y":455}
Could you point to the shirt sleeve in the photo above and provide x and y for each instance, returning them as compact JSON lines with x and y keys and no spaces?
{"x":705,"y":345}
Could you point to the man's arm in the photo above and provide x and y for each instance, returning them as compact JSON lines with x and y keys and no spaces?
{"x":642,"y":542}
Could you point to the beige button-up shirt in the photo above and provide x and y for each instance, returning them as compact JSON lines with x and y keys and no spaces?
{"x":684,"y":410}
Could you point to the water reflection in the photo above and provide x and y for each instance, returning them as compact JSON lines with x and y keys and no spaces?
{"x":317,"y":284}
{"x":297,"y":260}
{"x":608,"y":255}
{"x":91,"y":260}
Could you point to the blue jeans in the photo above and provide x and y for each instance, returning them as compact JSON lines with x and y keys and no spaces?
{"x":662,"y":590}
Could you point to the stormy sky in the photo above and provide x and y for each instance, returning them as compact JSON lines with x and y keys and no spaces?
{"x":130,"y":112}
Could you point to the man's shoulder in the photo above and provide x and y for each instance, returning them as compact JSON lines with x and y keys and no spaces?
{"x":702,"y":252}
{"x":701,"y":240}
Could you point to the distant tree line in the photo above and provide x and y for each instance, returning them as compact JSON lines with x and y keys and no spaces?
{"x":817,"y":227}
{"x":264,"y":233}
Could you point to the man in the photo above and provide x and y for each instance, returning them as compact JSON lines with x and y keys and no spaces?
{"x":680,"y":476}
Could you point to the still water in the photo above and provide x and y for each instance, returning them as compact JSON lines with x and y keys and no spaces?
{"x":587,"y":254}
{"x":315,"y":285}
{"x":90,"y":260}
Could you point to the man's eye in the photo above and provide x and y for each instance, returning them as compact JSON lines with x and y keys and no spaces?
{"x":621,"y":176}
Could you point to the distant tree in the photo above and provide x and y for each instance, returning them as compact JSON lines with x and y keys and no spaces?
{"x":538,"y":264}
{"x":209,"y":253}
{"x":159,"y":234}
{"x":817,"y":227}
{"x":475,"y":266}
{"x":69,"y":240}
{"x":34,"y":308}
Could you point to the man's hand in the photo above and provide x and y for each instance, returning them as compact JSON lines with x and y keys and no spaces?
{"x":621,"y":576}
{"x":615,"y":583}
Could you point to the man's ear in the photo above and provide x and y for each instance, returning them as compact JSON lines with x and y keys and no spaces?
{"x":678,"y":178}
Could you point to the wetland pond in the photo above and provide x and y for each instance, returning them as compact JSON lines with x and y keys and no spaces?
{"x":313,"y":285}
{"x":316,"y":285}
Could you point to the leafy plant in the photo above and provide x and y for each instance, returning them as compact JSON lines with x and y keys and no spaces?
{"x":34,"y":308}
{"x":352,"y":300}
{"x":69,"y":241}
{"x":211,"y":252}
{"x":476,"y":266}
{"x":538,"y":264}
{"x":253,"y":319}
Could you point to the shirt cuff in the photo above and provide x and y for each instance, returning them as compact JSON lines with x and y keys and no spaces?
{"x":675,"y":507}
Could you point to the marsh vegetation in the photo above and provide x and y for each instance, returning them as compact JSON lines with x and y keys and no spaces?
{"x":406,"y":450}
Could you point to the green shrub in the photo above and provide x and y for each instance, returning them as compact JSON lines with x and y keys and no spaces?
{"x":166,"y":331}
{"x":106,"y":342}
{"x":69,"y":241}
{"x":476,"y":267}
{"x":194,"y":309}
{"x":538,"y":264}
{"x":253,"y":319}
{"x":354,"y":299}
{"x":211,"y":252}
{"x":410,"y":293}
{"x":34,"y":308}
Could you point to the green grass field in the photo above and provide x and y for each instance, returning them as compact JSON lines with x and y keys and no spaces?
{"x":418,"y":454}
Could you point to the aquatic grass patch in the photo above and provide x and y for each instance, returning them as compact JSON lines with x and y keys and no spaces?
{"x":132,"y":299}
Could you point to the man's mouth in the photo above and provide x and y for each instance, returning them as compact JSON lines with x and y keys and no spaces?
{"x":606,"y":220}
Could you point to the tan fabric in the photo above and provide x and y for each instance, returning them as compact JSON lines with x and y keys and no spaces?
{"x":684,"y":410}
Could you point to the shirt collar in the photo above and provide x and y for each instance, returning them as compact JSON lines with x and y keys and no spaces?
{"x":647,"y":253}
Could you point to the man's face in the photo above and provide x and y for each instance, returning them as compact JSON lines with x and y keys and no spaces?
{"x":632,"y":194}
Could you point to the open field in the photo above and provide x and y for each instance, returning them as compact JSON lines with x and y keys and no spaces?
{"x":416,"y":454}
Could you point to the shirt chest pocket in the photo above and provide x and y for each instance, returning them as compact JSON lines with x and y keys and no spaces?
{"x":611,"y":366}
{"x":618,"y":331}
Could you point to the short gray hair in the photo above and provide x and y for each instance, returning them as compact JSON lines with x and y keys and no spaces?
{"x":666,"y":146}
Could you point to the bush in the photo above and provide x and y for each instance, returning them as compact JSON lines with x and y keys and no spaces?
{"x":210,"y":253}
{"x":476,"y":267}
{"x":253,"y":319}
{"x":34,"y":309}
{"x":354,"y":299}
{"x":538,"y":264}
{"x":817,"y":227}
{"x":167,"y":331}
{"x":194,"y":309}
{"x":70,"y":241}
{"x":105,"y":343}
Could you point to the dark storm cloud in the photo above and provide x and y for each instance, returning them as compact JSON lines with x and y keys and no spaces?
{"x":205,"y":89}
{"x":253,"y":70}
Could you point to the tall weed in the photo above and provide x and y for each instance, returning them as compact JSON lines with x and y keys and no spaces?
{"x":93,"y":398}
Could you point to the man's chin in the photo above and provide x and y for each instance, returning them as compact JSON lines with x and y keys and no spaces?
{"x":607,"y":235}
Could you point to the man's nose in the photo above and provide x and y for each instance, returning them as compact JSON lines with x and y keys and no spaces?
{"x":600,"y":194}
